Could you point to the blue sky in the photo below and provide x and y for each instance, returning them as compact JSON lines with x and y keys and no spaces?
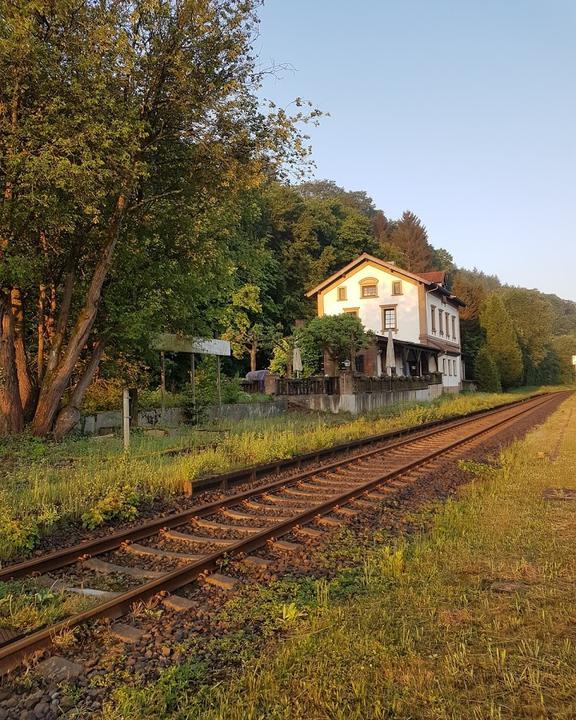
{"x":461,"y":111}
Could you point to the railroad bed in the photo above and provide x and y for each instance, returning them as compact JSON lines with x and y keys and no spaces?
{"x":166,"y":554}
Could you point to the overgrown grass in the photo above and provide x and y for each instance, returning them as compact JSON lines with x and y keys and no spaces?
{"x":45,"y":485}
{"x":26,"y":606}
{"x":473,"y":619}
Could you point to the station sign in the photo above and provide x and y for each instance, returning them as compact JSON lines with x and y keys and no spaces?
{"x":168,"y":342}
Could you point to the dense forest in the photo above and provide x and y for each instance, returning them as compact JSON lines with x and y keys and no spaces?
{"x":145,"y":187}
{"x":282,"y":239}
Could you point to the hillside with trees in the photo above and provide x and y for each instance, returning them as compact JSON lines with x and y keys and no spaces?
{"x":145,"y":188}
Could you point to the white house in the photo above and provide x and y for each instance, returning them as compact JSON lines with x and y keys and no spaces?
{"x":421,"y":313}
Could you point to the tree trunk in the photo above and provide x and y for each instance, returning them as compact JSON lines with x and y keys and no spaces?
{"x":70,"y":415}
{"x":11,"y":413}
{"x":41,"y":334}
{"x":57,"y":379}
{"x":253,"y":351}
{"x":57,"y":329}
{"x":25,"y":382}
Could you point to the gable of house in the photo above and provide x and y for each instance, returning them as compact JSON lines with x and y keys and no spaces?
{"x":368,"y":290}
{"x":416,"y":307}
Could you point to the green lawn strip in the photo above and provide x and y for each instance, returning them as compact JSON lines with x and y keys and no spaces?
{"x":37,"y":497}
{"x":475,"y":618}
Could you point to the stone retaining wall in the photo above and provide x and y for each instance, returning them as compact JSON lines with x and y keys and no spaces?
{"x":101,"y":423}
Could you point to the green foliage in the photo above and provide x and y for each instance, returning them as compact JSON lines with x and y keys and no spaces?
{"x":20,"y":534}
{"x":245,"y":328}
{"x":283,"y":352}
{"x":119,"y":503}
{"x":476,"y":468}
{"x":106,"y":394}
{"x":501,"y":340}
{"x":339,"y":335}
{"x":532,"y":317}
{"x":443,"y":260}
{"x":565,"y":348}
{"x":205,"y":392}
{"x":486,"y":371}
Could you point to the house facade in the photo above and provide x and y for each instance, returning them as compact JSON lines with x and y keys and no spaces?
{"x":416,"y":310}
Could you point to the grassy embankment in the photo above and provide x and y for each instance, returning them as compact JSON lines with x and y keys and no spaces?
{"x":473,"y":619}
{"x":44,"y":485}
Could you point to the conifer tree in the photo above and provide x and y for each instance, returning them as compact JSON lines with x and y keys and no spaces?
{"x":486,"y":371}
{"x":410,"y":236}
{"x":501,"y":340}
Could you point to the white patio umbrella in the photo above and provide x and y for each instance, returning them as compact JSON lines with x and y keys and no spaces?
{"x":297,"y":360}
{"x":390,"y":354}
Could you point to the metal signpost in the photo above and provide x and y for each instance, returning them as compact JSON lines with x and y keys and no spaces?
{"x":126,"y":417}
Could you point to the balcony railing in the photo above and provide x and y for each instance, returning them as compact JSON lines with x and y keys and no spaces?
{"x":319,"y":385}
{"x":394,"y":383}
{"x":308,"y":386}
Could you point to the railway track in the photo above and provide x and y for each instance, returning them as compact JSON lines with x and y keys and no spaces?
{"x":168,"y":553}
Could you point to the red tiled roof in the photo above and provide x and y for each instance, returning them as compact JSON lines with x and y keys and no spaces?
{"x":435,"y":276}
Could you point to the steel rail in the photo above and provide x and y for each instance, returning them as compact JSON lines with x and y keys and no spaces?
{"x":16,"y":651}
{"x":98,"y":546}
{"x":252,"y":472}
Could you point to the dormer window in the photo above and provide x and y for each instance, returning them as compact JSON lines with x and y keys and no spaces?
{"x":397,"y":287}
{"x":369,"y":288}
{"x":341,"y":293}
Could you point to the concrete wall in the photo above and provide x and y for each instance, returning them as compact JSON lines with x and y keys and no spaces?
{"x":109,"y":421}
{"x":357,"y":403}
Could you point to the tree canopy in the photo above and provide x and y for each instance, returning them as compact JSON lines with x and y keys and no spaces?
{"x":341,"y":336}
{"x":124,"y":127}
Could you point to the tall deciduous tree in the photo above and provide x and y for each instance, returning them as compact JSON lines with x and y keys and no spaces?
{"x":501,"y":340}
{"x":532,"y":316}
{"x":246,"y":328}
{"x":339,"y":335}
{"x":473,"y":287}
{"x":108,"y":108}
